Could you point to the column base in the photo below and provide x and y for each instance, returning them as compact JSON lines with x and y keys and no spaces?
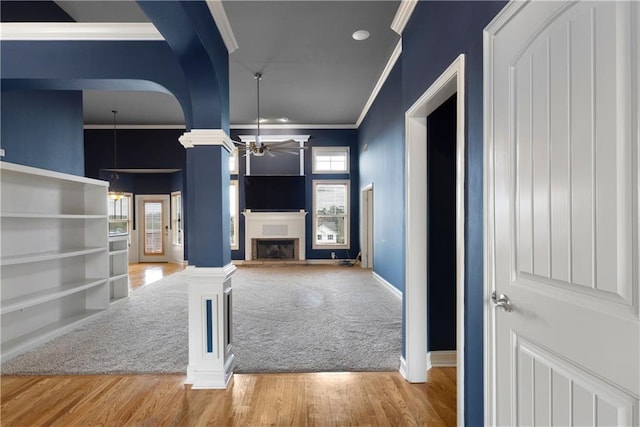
{"x":202,"y":378}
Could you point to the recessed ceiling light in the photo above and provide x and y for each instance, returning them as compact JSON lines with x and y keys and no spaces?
{"x":283,"y":119}
{"x":263,"y":120}
{"x":360,"y":35}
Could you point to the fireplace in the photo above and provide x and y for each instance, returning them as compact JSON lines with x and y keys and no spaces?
{"x":282,"y":232}
{"x":274,"y":249}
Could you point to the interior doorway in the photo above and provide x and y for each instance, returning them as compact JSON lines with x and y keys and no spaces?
{"x":152,"y":223}
{"x":414,"y":363}
{"x":366,"y":229}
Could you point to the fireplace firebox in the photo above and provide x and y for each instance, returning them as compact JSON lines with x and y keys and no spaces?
{"x":274,"y":249}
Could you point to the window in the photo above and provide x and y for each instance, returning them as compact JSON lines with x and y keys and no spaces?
{"x":331,"y":214}
{"x":233,"y":162}
{"x":120,"y":214}
{"x":176,"y":217}
{"x":330,"y":159}
{"x":233,"y":210}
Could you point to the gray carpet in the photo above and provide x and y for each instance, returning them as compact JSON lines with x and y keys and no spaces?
{"x":286,"y":319}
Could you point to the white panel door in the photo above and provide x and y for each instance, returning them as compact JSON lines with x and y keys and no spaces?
{"x":562,"y":159}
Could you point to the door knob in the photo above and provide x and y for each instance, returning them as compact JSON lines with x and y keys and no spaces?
{"x":502,"y":302}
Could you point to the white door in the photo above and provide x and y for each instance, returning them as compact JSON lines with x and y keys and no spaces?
{"x":152,"y":219}
{"x":562,"y":228}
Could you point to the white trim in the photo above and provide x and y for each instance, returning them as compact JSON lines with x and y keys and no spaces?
{"x":98,"y":126}
{"x":206,"y":137}
{"x":441,"y":359}
{"x":222,"y":22}
{"x":402,"y":15}
{"x":381,"y":81}
{"x":366,"y":228}
{"x":395,"y":291}
{"x":293,"y":126}
{"x":451,"y":81}
{"x":337,"y":148}
{"x":274,"y":138}
{"x":79,"y":31}
{"x":236,"y":208}
{"x":403,"y":367}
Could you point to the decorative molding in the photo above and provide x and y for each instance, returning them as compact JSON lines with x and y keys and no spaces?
{"x":402,"y":15}
{"x":206,"y":137}
{"x":110,"y":126}
{"x":294,"y":126}
{"x":224,"y":26}
{"x":381,"y":81}
{"x":403,"y":368}
{"x":274,"y":138}
{"x":79,"y":31}
{"x":395,"y":291}
{"x":441,"y":359}
{"x":293,"y":223}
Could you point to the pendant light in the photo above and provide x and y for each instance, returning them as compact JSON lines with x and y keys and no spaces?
{"x":114,"y":188}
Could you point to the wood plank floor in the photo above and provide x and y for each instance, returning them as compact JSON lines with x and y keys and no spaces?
{"x":314,"y":399}
{"x":319,"y":399}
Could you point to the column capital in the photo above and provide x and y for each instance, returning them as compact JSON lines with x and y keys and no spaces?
{"x":206,"y":137}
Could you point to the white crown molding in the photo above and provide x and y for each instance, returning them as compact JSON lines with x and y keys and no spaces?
{"x":89,"y":126}
{"x":383,"y":78}
{"x":274,"y":138}
{"x":206,"y":137}
{"x":402,"y":15}
{"x":79,"y":31}
{"x":224,"y":26}
{"x":294,"y":126}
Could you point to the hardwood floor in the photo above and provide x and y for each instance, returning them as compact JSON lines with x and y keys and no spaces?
{"x":324,"y":399}
{"x":145,"y":273}
{"x":314,"y":399}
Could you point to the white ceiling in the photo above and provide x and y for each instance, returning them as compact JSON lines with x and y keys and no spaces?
{"x":313,"y":71}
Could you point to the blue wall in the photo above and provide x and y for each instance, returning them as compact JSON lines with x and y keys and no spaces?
{"x":383,"y":166}
{"x":436,"y":34}
{"x":286,"y":164}
{"x":43,"y":129}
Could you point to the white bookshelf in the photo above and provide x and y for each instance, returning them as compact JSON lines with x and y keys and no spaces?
{"x":54,"y":254}
{"x":118,"y":268}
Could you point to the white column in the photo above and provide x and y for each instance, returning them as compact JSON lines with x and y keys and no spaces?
{"x":211,"y":359}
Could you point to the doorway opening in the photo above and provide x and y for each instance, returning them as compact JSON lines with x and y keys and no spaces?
{"x":366,"y":228}
{"x":414,"y":363}
{"x":153,"y":227}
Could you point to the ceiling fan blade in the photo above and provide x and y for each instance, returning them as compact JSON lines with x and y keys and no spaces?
{"x":279,"y":143}
{"x":284,"y":150}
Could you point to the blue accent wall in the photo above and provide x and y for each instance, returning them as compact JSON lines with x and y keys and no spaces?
{"x":382,"y":165}
{"x":287,"y":164}
{"x":436,"y":34}
{"x":43,"y":129}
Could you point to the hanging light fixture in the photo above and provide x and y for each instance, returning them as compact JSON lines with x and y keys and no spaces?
{"x":114,"y":188}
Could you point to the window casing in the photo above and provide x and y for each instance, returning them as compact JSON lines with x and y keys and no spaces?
{"x":176,"y":218}
{"x":234,"y":214}
{"x":331,"y":214}
{"x":233,"y":162}
{"x":120,"y":214}
{"x":330,"y":159}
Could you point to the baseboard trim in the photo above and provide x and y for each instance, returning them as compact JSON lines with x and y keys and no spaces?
{"x":388,"y":285}
{"x":441,"y":359}
{"x":403,"y":368}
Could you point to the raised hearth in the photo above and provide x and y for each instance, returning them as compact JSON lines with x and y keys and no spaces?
{"x":277,"y":228}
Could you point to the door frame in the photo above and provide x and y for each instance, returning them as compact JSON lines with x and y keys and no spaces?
{"x":366,"y":227}
{"x":166,"y":219}
{"x":413,"y":366}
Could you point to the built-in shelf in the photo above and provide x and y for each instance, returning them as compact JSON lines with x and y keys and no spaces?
{"x":26,"y":215}
{"x":49,"y":294}
{"x":49,"y":255}
{"x":55,"y":263}
{"x":27,"y":341}
{"x":118,"y":277}
{"x":119,"y":252}
{"x":118,"y":268}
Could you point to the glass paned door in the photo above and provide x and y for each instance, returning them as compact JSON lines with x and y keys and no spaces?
{"x":153,"y":226}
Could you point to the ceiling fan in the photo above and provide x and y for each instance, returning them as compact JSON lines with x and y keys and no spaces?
{"x":259,"y":148}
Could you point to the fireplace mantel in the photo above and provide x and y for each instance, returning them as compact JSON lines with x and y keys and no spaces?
{"x":274,"y":225}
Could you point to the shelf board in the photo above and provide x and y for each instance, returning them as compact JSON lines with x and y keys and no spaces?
{"x":118,"y":252}
{"x":118,"y":300}
{"x":26,"y":215}
{"x":49,"y":255}
{"x":24,"y":342}
{"x":117,"y":277}
{"x":35,"y":298}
